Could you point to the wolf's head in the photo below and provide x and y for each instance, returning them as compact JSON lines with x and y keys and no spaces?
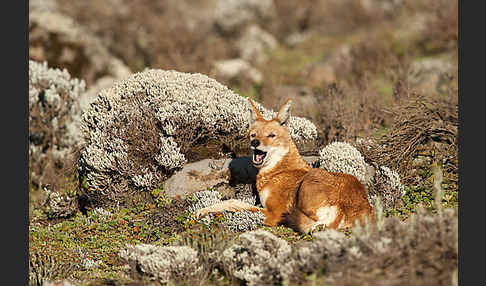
{"x":269,"y":139}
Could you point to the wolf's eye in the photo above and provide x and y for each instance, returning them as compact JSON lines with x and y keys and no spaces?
{"x":271,"y":135}
{"x":252,"y":135}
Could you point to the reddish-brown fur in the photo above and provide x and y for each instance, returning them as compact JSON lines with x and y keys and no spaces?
{"x":292,"y":192}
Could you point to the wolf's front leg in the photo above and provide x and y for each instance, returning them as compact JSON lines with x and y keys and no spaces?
{"x":228,"y":205}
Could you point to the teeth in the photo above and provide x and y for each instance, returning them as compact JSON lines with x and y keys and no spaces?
{"x":258,"y":158}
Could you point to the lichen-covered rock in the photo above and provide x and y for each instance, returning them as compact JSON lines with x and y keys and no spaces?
{"x":152,"y":123}
{"x":164,"y":264}
{"x":54,"y":115}
{"x":198,"y":176}
{"x":259,"y":258}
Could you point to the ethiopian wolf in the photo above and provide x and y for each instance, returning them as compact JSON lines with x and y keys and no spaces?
{"x":291,"y":192}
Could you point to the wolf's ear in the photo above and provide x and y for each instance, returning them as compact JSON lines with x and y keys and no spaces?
{"x":254,"y":113}
{"x":284,"y":113}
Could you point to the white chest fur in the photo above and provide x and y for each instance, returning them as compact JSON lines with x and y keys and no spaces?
{"x":264,"y":196}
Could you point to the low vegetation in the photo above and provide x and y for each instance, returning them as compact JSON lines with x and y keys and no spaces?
{"x":381,"y":76}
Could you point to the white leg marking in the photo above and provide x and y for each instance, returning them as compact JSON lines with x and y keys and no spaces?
{"x":326,"y":216}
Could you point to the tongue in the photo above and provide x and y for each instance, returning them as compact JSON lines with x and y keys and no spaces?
{"x":259,"y":158}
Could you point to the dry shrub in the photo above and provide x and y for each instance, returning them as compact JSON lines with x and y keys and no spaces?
{"x":210,"y":245}
{"x":166,"y":265}
{"x":422,"y":126}
{"x":427,"y":28}
{"x":442,"y":25}
{"x":117,"y":24}
{"x":381,"y":54}
{"x":347,"y":113}
{"x":258,"y":258}
{"x":327,"y":17}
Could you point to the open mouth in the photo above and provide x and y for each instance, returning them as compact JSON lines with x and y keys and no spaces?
{"x":258,"y":157}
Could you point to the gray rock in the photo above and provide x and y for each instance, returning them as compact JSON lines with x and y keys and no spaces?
{"x":231,"y":69}
{"x":198,"y":176}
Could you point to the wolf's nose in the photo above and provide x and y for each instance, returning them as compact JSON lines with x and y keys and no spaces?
{"x":255,"y":142}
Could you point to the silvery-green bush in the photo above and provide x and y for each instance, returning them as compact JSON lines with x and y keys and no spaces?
{"x":54,"y":115}
{"x":422,"y":249}
{"x":344,"y":158}
{"x":259,"y":258}
{"x":164,"y":264}
{"x":151,"y":123}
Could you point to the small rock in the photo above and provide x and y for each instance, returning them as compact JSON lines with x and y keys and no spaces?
{"x":237,"y":68}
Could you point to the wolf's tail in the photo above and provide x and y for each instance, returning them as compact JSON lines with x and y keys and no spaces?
{"x":298,"y":221}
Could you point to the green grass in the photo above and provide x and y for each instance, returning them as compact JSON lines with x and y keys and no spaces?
{"x":99,"y":238}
